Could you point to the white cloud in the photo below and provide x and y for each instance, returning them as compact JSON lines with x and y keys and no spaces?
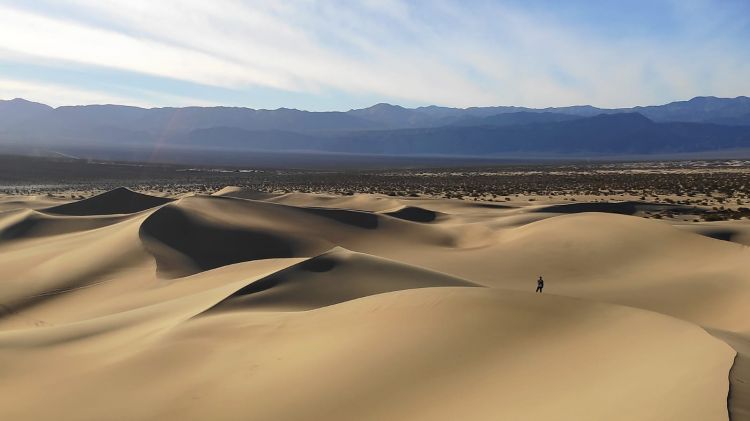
{"x":56,"y":95}
{"x":35,"y":35}
{"x":437,"y":52}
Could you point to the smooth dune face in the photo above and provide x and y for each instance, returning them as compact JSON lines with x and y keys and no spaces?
{"x":244,"y":305}
{"x":12,"y":202}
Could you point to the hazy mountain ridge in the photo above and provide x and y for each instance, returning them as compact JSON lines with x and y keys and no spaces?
{"x":700,"y":124}
{"x":734,"y":111}
{"x":515,"y":118}
{"x":621,"y":133}
{"x":729,"y":111}
{"x":17,"y":112}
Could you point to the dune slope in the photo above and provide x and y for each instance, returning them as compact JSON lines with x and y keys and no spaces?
{"x":416,"y":354}
{"x":330,"y":278}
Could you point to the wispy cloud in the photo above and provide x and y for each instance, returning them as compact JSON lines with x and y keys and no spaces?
{"x":443,"y":52}
{"x":53,"y":94}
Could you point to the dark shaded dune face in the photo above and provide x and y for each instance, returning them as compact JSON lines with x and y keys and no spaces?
{"x":298,"y":216}
{"x":414,"y":214}
{"x":345,"y":227}
{"x":331,"y":278}
{"x":723,"y":233}
{"x":210,"y":244}
{"x":17,"y":230}
{"x":357,"y":219}
{"x":118,"y":201}
{"x":320,"y":264}
{"x":622,"y":208}
{"x":491,"y":206}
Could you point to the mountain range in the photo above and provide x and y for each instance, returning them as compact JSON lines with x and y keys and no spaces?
{"x":701,"y":124}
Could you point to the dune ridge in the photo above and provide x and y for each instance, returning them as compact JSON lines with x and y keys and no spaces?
{"x":118,"y":201}
{"x":406,"y":308}
{"x":623,"y":208}
{"x":28,"y":223}
{"x":734,"y":231}
{"x":330,"y":278}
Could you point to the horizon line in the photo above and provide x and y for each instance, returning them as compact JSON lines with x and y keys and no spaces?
{"x":372,"y":106}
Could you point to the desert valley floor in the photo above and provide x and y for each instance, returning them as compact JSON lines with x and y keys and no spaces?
{"x":247,"y":305}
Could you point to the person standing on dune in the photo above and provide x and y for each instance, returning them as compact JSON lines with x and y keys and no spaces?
{"x":539,"y":284}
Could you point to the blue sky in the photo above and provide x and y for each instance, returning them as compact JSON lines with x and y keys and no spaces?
{"x":337,"y":55}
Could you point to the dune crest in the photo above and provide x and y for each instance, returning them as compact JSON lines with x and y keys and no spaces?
{"x":240,"y":193}
{"x":209,"y":244}
{"x":333,"y":277}
{"x":29,"y":223}
{"x":118,"y":201}
{"x":414,"y":214}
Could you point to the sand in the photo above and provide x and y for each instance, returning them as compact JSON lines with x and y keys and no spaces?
{"x":246,"y":305}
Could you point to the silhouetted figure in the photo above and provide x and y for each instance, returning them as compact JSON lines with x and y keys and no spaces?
{"x":539,"y":284}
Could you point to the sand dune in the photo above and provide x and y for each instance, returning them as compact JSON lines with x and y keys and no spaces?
{"x":624,"y":208}
{"x":210,"y":232}
{"x":369,"y":202}
{"x":414,"y":354}
{"x":178,"y":237}
{"x":240,"y":193}
{"x":243,"y":305}
{"x":118,"y":201}
{"x":12,"y":202}
{"x":21,"y":224}
{"x":734,"y":231}
{"x":331,"y":278}
{"x":40,"y":269}
{"x":414,"y":213}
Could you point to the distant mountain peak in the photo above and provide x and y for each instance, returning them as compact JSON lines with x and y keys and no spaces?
{"x":701,"y":99}
{"x":383,"y":106}
{"x":21,"y":102}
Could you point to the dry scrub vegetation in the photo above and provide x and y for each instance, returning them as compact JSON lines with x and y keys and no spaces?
{"x":694,"y":190}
